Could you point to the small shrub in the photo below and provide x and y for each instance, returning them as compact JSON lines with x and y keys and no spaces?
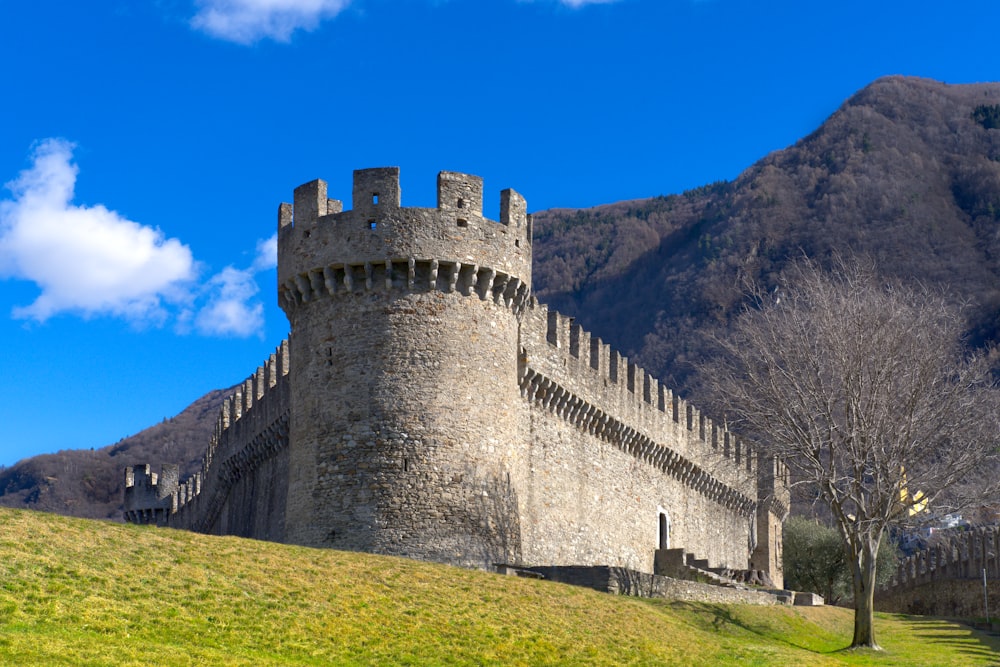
{"x":814,"y":559}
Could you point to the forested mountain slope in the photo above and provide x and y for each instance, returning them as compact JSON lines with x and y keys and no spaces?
{"x":907,"y":172}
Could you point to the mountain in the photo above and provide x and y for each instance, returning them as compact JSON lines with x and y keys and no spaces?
{"x":906,"y":172}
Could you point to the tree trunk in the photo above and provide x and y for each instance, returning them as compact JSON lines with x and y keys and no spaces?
{"x":863,"y":564}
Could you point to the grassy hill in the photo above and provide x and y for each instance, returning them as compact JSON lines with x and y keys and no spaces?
{"x":83,"y":592}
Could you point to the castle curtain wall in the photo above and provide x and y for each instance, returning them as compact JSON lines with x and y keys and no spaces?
{"x":243,"y":481}
{"x":255,"y":504}
{"x":609,"y":450}
{"x":589,"y":503}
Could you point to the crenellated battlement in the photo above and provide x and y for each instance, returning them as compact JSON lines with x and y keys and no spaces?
{"x":774,"y":491}
{"x":381,"y":243}
{"x":268,"y":378}
{"x":563,"y":362}
{"x":376,"y":193}
{"x":257,"y":403}
{"x":962,"y":555}
{"x":148,"y":495}
{"x":947,"y":578}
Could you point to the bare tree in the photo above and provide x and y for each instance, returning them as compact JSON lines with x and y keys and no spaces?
{"x":865,"y":389}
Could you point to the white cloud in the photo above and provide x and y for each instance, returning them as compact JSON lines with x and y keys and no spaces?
{"x":86,"y":260}
{"x":267,"y":254}
{"x":248,"y":21}
{"x":92,"y":261}
{"x":230,"y":311}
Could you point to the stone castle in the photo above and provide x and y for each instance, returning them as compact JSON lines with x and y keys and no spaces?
{"x":426,"y":405}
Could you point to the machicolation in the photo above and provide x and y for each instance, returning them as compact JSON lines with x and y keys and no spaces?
{"x":426,"y":405}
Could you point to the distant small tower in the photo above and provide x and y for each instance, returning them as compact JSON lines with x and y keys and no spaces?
{"x":150,"y":498}
{"x":405,"y":416}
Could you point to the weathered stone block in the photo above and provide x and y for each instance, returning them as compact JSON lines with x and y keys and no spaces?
{"x":808,"y":599}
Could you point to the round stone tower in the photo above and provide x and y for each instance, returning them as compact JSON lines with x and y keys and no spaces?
{"x":404,"y":353}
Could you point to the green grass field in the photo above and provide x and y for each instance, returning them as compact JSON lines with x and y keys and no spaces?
{"x":78,"y":592}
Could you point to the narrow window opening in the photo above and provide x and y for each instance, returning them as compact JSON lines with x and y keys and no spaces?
{"x":375,"y":198}
{"x":406,"y":465}
{"x":372,"y":224}
{"x":461,"y":203}
{"x":462,"y":222}
{"x":517,"y":243}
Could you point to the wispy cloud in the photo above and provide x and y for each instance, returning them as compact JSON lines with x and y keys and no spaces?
{"x":231,"y":309}
{"x":267,"y":254}
{"x":91,"y":261}
{"x":248,"y":21}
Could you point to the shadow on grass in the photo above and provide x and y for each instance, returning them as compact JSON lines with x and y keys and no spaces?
{"x":965,"y":639}
{"x":721,"y":619}
{"x":957,"y":638}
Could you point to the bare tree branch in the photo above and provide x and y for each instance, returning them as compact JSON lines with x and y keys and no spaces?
{"x":866,"y":390}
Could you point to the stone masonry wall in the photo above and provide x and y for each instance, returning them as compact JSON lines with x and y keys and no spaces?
{"x":956,"y":598}
{"x":240,"y":489}
{"x":588,"y":502}
{"x":405,"y":403}
{"x":611,"y":450}
{"x":946,"y":579}
{"x":623,"y":581}
{"x":425,"y":406}
{"x":399,"y":416}
{"x":587,"y":376}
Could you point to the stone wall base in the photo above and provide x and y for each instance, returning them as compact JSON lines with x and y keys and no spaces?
{"x":623,"y":581}
{"x":957,"y":598}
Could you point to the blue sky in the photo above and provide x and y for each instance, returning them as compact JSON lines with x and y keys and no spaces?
{"x":146,"y":146}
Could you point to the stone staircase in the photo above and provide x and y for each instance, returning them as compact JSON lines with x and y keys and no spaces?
{"x":678,"y":576}
{"x":679,"y":564}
